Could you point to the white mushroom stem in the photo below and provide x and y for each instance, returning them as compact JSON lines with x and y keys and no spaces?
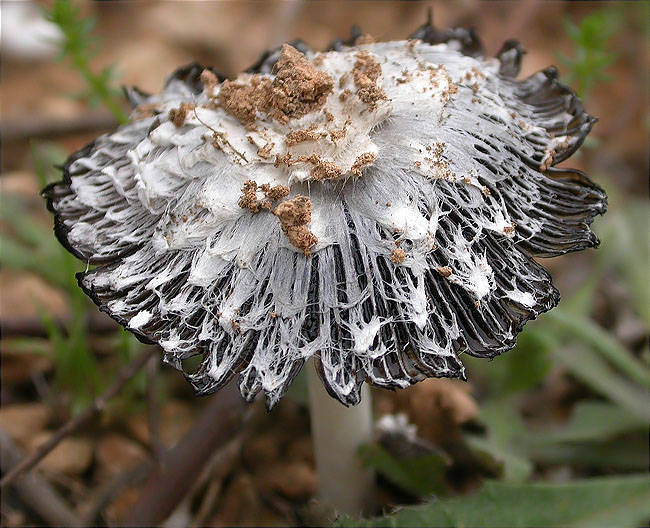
{"x":337,"y":433}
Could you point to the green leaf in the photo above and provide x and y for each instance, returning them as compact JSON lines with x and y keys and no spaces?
{"x":581,"y":300}
{"x":420,"y":476}
{"x":587,"y":366}
{"x":515,"y":467}
{"x":630,"y":453}
{"x":504,"y":428}
{"x":571,"y":30}
{"x":599,"y":502}
{"x":591,"y":50}
{"x":582,"y":442}
{"x":28,"y":345}
{"x":626,"y":246}
{"x":14,"y":255}
{"x":522,"y":368}
{"x":588,"y":332}
{"x":593,"y":421}
{"x":128,"y":347}
{"x":47,"y":157}
{"x":79,"y":45}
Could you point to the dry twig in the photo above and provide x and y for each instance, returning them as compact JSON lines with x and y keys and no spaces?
{"x":34,"y":491}
{"x":33,"y":326}
{"x":29,"y":128}
{"x":182,"y":464}
{"x":218,"y":468}
{"x":108,"y":492}
{"x":153,"y":409}
{"x":74,"y":424}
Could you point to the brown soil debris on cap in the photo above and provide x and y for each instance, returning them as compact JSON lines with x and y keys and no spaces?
{"x":324,"y":170}
{"x":445,"y":271}
{"x":366,"y":158}
{"x":276,"y":192}
{"x":294,"y":216}
{"x":299,"y":136}
{"x":398,"y":256}
{"x":366,"y":72}
{"x":145,"y":110}
{"x":178,"y":115}
{"x":265,"y":151}
{"x":248,"y":198}
{"x":209,"y":80}
{"x":298,"y":87}
{"x":366,"y":38}
{"x":344,"y":95}
{"x":244,"y":100}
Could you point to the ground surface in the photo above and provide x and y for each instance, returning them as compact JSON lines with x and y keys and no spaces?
{"x":266,"y":477}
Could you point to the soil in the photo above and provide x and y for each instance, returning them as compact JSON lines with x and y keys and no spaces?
{"x":298,"y":88}
{"x":294,"y":216}
{"x":271,"y":480}
{"x":398,"y":256}
{"x":366,"y":72}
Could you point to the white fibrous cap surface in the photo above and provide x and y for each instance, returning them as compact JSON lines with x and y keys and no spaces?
{"x":377,"y":207}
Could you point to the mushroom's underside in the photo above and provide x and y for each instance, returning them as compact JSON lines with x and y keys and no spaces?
{"x":377,"y":206}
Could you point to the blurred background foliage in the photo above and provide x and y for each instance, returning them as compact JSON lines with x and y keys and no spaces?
{"x":559,"y":434}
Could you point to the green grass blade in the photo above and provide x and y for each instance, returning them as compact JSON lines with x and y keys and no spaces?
{"x":623,"y":502}
{"x":600,"y":340}
{"x":420,"y":476}
{"x":590,"y":368}
{"x":593,"y":421}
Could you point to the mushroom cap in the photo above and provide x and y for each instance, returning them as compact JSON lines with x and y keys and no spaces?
{"x":376,"y":206}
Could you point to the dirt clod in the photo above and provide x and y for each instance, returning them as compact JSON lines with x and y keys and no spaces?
{"x":244,"y":100}
{"x":325,"y":170}
{"x":366,"y":72}
{"x":367,"y":158}
{"x":277,"y":192}
{"x":300,"y":136}
{"x":398,"y":256}
{"x":209,"y":80}
{"x":298,"y":87}
{"x":178,"y":115}
{"x":248,"y":199}
{"x":294,"y":216}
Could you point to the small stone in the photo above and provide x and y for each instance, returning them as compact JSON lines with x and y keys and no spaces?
{"x":72,"y":456}
{"x":24,"y":420}
{"x":366,"y":72}
{"x":295,"y":480}
{"x":398,"y":256}
{"x":240,"y":505}
{"x":301,"y":449}
{"x":294,"y":216}
{"x":261,"y":450}
{"x":115,"y":454}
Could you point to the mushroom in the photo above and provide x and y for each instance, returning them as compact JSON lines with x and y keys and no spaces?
{"x":375,"y":209}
